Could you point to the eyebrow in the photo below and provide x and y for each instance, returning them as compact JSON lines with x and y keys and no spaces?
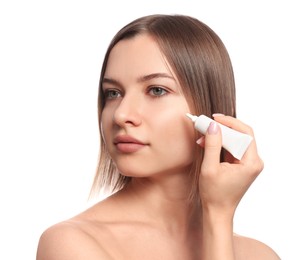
{"x":140,"y":79}
{"x":154,"y":76}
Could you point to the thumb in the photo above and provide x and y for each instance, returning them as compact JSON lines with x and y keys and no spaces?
{"x":213,"y":143}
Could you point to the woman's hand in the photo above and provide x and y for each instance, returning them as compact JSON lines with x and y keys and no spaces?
{"x":223,"y":184}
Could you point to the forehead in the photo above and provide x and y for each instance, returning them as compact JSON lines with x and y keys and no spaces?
{"x":136,"y":56}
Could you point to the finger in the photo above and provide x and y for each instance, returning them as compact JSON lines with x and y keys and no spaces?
{"x":212,"y":148}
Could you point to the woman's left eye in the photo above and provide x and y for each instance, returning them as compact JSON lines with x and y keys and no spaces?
{"x":157,"y":91}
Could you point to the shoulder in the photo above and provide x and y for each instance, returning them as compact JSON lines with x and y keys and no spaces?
{"x":248,"y":248}
{"x":88,"y":235}
{"x":69,"y":240}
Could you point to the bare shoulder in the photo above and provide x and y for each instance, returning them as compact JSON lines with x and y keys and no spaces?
{"x":69,"y":240}
{"x":87,"y":235}
{"x":248,"y":248}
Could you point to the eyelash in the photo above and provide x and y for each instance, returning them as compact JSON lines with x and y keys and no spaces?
{"x":152,"y":88}
{"x":108,"y":92}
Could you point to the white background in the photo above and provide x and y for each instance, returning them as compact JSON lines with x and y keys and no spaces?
{"x":50,"y":59}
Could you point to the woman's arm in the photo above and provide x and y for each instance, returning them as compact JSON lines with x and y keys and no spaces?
{"x":221,"y":187}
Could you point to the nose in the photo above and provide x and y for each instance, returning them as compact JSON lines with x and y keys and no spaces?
{"x":128,"y":111}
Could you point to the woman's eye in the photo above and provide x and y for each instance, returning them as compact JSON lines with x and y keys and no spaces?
{"x":157,"y":91}
{"x":111,"y":94}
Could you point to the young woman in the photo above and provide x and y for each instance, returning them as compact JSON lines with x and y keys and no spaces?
{"x":174,"y":192}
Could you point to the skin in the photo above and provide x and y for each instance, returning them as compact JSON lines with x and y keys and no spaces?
{"x":152,"y":218}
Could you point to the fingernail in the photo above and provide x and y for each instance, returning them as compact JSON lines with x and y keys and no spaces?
{"x":200,"y":140}
{"x":213,"y":128}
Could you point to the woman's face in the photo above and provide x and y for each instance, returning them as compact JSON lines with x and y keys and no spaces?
{"x":144,"y":121}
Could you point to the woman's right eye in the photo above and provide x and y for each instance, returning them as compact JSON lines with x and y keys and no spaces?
{"x":111,"y":94}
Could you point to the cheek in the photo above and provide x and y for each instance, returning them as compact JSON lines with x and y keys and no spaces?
{"x":174,"y":127}
{"x":178,"y":136}
{"x":106,"y":124}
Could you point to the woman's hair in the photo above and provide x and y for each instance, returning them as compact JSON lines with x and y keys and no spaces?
{"x":201,"y":63}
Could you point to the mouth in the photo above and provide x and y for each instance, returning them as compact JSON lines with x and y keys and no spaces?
{"x":128,"y":144}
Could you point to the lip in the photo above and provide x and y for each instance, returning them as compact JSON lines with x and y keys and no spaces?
{"x":128,"y":144}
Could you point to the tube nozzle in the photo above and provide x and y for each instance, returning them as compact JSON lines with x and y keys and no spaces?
{"x":192,"y":117}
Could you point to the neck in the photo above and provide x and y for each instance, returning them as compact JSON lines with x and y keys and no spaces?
{"x":163,"y":203}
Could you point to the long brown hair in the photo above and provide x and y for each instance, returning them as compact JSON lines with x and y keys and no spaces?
{"x":202,"y":65}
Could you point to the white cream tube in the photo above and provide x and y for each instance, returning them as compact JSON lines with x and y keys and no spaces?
{"x":233,"y":141}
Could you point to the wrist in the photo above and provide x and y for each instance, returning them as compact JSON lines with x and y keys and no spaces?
{"x":218,"y":218}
